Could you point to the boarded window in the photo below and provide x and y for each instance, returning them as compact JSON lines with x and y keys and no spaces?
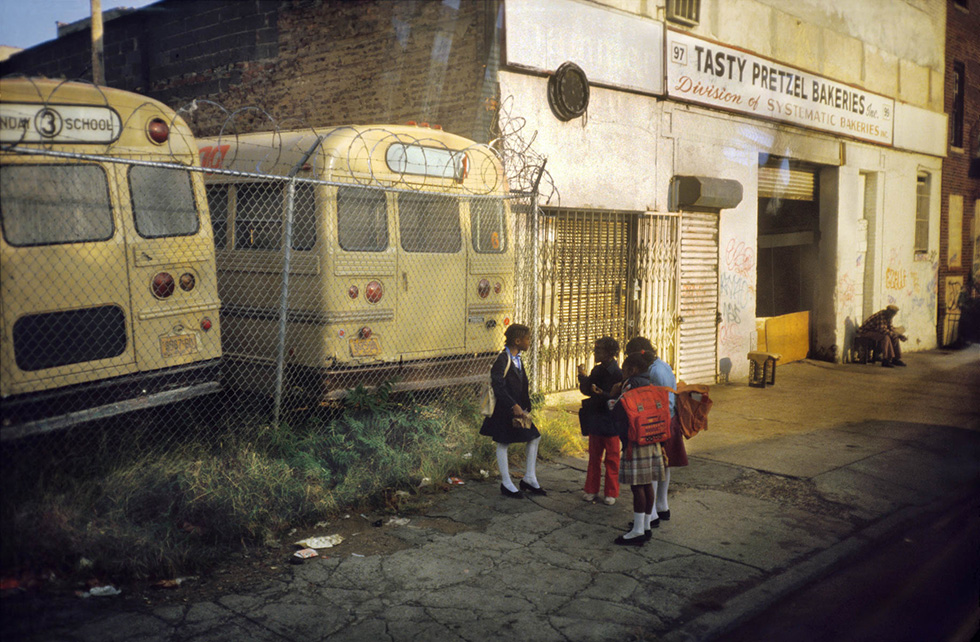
{"x":163,"y":202}
{"x":54,"y":204}
{"x":922,"y":213}
{"x":74,"y":336}
{"x":429,"y":223}
{"x":362,"y":219}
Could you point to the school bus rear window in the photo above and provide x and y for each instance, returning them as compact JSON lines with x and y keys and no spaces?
{"x":362,"y":219}
{"x":54,"y":204}
{"x":429,"y":223}
{"x":163,"y":202}
{"x":487,"y":224}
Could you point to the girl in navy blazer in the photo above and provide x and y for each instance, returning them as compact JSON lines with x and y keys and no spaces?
{"x":513,"y":406}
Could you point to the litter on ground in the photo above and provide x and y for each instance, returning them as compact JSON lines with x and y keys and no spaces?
{"x":323,"y":541}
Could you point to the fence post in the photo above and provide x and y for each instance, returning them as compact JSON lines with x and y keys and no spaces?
{"x":535,"y":268}
{"x":287,"y":251}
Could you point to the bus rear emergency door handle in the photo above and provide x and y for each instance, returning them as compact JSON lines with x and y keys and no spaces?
{"x":405,"y":281}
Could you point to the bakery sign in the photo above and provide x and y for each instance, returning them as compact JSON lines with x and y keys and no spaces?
{"x":705,"y":72}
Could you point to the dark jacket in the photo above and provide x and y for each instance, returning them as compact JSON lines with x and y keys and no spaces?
{"x":508,"y":391}
{"x":595,"y":415}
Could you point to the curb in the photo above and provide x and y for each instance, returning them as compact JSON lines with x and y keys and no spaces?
{"x":756,"y":600}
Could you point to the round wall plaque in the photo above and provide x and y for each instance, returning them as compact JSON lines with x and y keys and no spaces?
{"x":568,"y":91}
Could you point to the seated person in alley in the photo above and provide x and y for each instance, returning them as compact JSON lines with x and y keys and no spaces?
{"x":886,"y":336}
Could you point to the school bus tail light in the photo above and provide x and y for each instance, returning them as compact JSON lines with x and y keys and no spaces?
{"x":497,"y":287}
{"x":163,"y":285}
{"x":364,"y":333}
{"x":374,"y":292}
{"x":187,"y":281}
{"x":158,"y":131}
{"x":352,"y":291}
{"x":205,"y":324}
{"x":483,"y":288}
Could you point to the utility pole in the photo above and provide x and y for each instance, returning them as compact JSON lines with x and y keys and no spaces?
{"x":98,"y":69}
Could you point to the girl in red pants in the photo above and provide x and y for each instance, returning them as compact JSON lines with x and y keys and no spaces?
{"x":597,"y":421}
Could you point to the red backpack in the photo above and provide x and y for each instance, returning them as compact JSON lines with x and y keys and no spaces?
{"x":648,"y":414}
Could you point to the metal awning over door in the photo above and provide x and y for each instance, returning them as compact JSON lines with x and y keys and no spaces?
{"x":698,"y":323}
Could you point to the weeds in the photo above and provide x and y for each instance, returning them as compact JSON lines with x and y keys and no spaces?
{"x":134,"y":505}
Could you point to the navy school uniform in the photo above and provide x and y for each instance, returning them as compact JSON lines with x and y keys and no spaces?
{"x":510,"y":390}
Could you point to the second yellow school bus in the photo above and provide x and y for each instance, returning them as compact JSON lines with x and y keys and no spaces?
{"x":401,"y":263}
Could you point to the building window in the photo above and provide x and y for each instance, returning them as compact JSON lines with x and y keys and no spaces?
{"x":962,"y":4}
{"x":956,"y":118}
{"x":685,"y":12}
{"x":922,"y":214}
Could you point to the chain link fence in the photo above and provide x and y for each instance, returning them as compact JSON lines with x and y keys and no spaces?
{"x":114,"y":273}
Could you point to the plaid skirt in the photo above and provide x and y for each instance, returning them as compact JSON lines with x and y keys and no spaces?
{"x":644,"y":465}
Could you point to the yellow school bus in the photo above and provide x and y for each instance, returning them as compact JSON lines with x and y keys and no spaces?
{"x":108,"y":295}
{"x":401,"y":264}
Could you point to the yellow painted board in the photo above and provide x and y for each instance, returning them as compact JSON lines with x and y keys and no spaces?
{"x":789,"y":336}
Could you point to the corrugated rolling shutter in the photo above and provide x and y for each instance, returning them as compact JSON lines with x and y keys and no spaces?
{"x":786,"y":182}
{"x":698,"y":325}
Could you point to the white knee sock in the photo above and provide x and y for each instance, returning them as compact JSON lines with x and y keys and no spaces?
{"x":637,"y":526}
{"x":649,"y":518}
{"x":660,"y":492}
{"x":504,"y":467}
{"x":530,"y":470}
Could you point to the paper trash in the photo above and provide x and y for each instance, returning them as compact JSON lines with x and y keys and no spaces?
{"x":325,"y":541}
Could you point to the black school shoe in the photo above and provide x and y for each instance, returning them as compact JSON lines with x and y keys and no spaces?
{"x":515,"y":494}
{"x":528,"y":488}
{"x":633,"y":541}
{"x":665,"y":515}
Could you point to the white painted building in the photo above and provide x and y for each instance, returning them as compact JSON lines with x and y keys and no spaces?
{"x":827,"y":113}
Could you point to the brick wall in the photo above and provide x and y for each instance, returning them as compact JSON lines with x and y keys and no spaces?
{"x":300,"y":63}
{"x":962,"y":45}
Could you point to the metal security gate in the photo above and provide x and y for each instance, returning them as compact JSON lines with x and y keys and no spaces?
{"x":656,"y":284}
{"x":698,"y":322}
{"x":586,"y":288}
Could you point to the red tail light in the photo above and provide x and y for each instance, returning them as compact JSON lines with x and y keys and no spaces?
{"x":158,"y":131}
{"x":497,"y":288}
{"x":364,"y":333}
{"x":352,"y":291}
{"x":506,"y":320}
{"x":483,"y":289}
{"x":374,"y":292}
{"x":163,"y":285}
{"x":205,"y":324}
{"x":187,"y":281}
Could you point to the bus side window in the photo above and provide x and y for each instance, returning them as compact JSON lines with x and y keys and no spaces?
{"x":54,"y":204}
{"x":218,"y":204}
{"x":258,"y":216}
{"x":487,"y":224}
{"x":260,"y":210}
{"x":362,"y":219}
{"x":429,"y":223}
{"x":163,"y":202}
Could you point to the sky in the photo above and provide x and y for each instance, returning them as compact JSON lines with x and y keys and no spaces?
{"x":25,"y":23}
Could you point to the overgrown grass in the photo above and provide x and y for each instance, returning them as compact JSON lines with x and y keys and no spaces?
{"x":132,"y":504}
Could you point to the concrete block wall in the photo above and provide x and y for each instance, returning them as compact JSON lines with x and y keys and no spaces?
{"x":311,"y":62}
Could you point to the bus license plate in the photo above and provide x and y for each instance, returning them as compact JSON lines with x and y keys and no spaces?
{"x":369,"y":347}
{"x":178,"y":345}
